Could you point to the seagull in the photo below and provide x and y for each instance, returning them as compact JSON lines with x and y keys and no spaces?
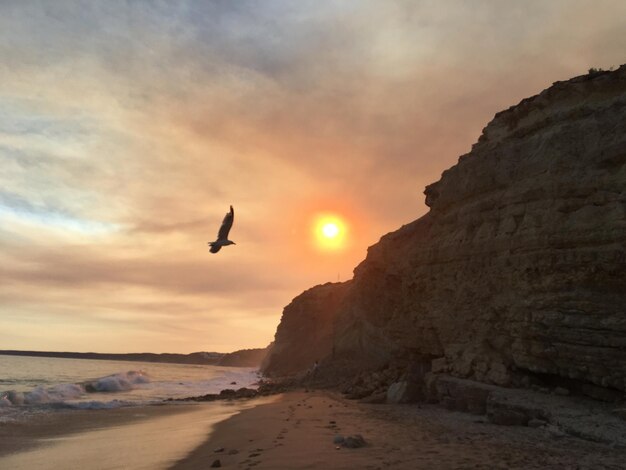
{"x":222,"y":235}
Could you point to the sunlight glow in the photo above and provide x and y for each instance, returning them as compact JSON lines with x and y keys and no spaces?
{"x":330,"y":232}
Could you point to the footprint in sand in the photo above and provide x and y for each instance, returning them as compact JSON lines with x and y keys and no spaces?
{"x":256,"y":453}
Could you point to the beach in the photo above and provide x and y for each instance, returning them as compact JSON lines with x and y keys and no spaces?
{"x":293,"y":430}
{"x":143,"y":437}
{"x":297,"y":432}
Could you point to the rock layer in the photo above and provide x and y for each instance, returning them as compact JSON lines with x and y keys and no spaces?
{"x":305,"y":332}
{"x":518,"y":271}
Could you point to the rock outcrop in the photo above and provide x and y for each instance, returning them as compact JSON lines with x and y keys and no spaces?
{"x":305,"y":333}
{"x":517,"y":274}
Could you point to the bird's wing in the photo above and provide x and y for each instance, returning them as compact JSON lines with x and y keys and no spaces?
{"x":227,"y":223}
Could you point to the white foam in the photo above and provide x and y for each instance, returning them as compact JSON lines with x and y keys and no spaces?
{"x":16,"y":398}
{"x":40,"y":395}
{"x":62,"y":393}
{"x":99,"y":405}
{"x":36,"y":396}
{"x":119,"y":382}
{"x":130,"y":388}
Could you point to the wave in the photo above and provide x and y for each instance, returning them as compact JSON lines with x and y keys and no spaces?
{"x":59,"y":394}
{"x":130,"y":388}
{"x":117,"y":382}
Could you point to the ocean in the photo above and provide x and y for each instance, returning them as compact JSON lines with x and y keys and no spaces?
{"x":33,"y":385}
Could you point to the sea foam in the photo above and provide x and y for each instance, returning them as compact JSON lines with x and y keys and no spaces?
{"x":61,"y":393}
{"x":33,"y":386}
{"x":118,"y":382}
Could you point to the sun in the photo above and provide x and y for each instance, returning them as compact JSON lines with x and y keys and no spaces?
{"x":329,"y":232}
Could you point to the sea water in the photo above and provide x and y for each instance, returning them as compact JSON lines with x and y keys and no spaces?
{"x":34,"y":385}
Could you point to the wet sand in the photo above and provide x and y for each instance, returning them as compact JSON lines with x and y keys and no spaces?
{"x":149,"y":438}
{"x":297,"y":431}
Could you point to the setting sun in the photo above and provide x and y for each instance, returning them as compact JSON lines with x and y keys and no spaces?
{"x":329,"y":231}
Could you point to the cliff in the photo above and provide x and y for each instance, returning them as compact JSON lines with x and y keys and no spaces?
{"x":305,"y":333}
{"x":518,"y":271}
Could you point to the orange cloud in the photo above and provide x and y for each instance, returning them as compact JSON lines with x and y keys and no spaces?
{"x":129,"y":129}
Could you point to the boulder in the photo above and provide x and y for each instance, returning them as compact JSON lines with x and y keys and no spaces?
{"x":244,"y":392}
{"x":404,"y":392}
{"x":353,"y":442}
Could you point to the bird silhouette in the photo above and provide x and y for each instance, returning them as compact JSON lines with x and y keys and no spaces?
{"x":222,"y":234}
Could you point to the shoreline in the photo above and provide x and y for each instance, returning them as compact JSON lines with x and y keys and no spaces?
{"x":142,"y":437}
{"x":33,"y":432}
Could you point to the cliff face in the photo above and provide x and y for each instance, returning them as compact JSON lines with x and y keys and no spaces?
{"x":305,"y":332}
{"x":519,"y":268}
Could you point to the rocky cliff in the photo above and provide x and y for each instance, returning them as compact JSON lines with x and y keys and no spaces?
{"x":518,"y":271}
{"x":306,"y":330}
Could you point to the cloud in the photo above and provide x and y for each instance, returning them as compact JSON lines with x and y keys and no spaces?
{"x":128,"y":128}
{"x":79,"y":267}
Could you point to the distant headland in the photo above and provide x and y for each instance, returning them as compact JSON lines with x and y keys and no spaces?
{"x":241,"y":358}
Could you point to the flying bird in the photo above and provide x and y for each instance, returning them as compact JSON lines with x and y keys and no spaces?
{"x":222,"y":235}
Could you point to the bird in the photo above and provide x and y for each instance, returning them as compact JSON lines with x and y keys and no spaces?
{"x":222,"y":234}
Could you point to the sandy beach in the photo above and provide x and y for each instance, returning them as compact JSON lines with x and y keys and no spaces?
{"x":148,"y":437}
{"x":294,"y":430}
{"x":297,"y":432}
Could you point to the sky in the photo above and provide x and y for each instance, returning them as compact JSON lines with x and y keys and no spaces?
{"x":128,"y":128}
